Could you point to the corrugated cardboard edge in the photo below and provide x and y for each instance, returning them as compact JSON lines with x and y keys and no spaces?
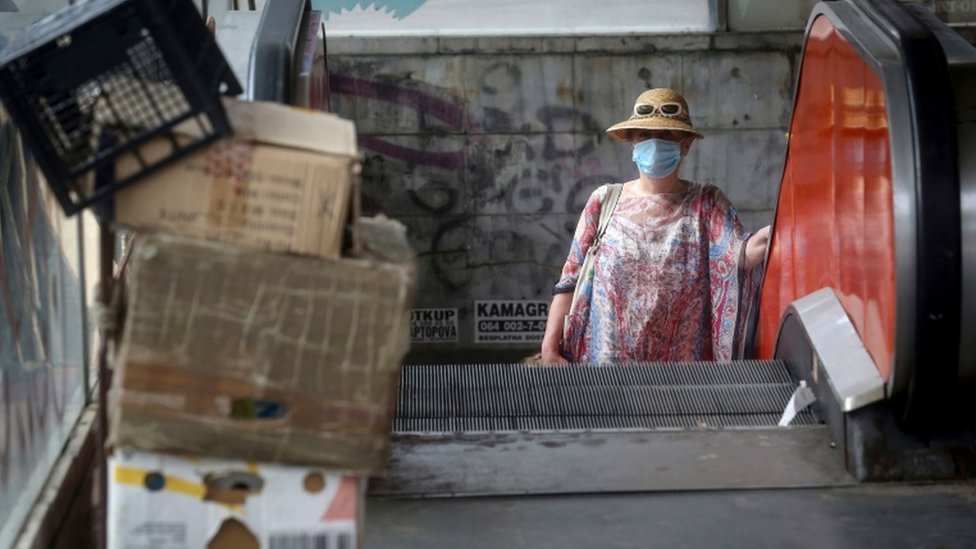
{"x":353,"y":242}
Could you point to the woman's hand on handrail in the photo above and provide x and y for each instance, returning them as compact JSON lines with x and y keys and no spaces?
{"x":756,"y":247}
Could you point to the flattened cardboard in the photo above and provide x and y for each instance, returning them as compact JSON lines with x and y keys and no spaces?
{"x":276,"y":358}
{"x":287,"y":182}
{"x":160,"y":501}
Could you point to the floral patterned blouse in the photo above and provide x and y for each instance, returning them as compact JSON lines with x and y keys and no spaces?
{"x":668,"y":280}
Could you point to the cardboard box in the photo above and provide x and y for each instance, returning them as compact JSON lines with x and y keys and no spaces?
{"x":288,"y":181}
{"x":268,"y":357}
{"x":166,"y":502}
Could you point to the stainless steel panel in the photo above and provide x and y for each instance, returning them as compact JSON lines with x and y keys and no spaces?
{"x":842,"y":360}
{"x":622,"y":461}
{"x":236,"y":31}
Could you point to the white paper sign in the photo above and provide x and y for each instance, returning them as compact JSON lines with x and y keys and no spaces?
{"x":510,"y":321}
{"x":434,"y":325}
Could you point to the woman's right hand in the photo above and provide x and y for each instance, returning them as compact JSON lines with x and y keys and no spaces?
{"x":554,"y":329}
{"x":550,"y":357}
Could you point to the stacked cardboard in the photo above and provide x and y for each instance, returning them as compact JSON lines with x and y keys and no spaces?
{"x":260,"y":356}
{"x":286,"y":182}
{"x":264,"y":325}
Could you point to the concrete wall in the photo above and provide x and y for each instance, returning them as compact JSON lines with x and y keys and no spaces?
{"x":487,"y":148}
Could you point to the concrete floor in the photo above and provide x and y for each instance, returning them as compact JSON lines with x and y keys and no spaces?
{"x":863,"y":516}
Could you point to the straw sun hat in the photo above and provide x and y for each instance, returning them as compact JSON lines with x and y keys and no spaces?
{"x":657,"y":109}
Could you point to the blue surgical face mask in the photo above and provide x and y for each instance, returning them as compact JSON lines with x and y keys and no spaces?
{"x":657,"y":158}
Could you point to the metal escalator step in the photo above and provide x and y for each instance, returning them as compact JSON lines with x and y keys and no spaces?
{"x":514,"y":397}
{"x":641,"y":373}
{"x":615,"y":422}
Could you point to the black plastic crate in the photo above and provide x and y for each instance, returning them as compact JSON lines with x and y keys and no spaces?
{"x":98,"y":80}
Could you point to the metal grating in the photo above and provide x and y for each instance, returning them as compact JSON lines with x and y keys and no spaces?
{"x":515,"y":397}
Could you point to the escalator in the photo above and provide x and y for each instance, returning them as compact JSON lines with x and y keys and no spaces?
{"x":629,"y":428}
{"x":864,"y":302}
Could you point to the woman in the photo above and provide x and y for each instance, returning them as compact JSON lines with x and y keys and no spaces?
{"x":675,"y":272}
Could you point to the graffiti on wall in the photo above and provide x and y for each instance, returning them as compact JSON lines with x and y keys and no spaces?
{"x":491,"y":204}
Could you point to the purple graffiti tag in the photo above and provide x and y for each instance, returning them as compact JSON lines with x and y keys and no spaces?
{"x":448,"y":160}
{"x":449,"y":113}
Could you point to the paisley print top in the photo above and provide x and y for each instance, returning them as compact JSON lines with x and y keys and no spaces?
{"x":668,"y":280}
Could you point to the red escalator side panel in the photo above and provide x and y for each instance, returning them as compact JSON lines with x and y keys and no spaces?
{"x":834,"y":219}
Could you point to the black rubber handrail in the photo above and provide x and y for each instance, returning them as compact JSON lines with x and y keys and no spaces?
{"x":925,"y":406}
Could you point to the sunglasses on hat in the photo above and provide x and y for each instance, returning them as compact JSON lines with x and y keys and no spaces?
{"x":663,"y":109}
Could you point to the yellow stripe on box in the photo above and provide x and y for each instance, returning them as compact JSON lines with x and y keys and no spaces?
{"x":137,"y":477}
{"x":130,"y":475}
